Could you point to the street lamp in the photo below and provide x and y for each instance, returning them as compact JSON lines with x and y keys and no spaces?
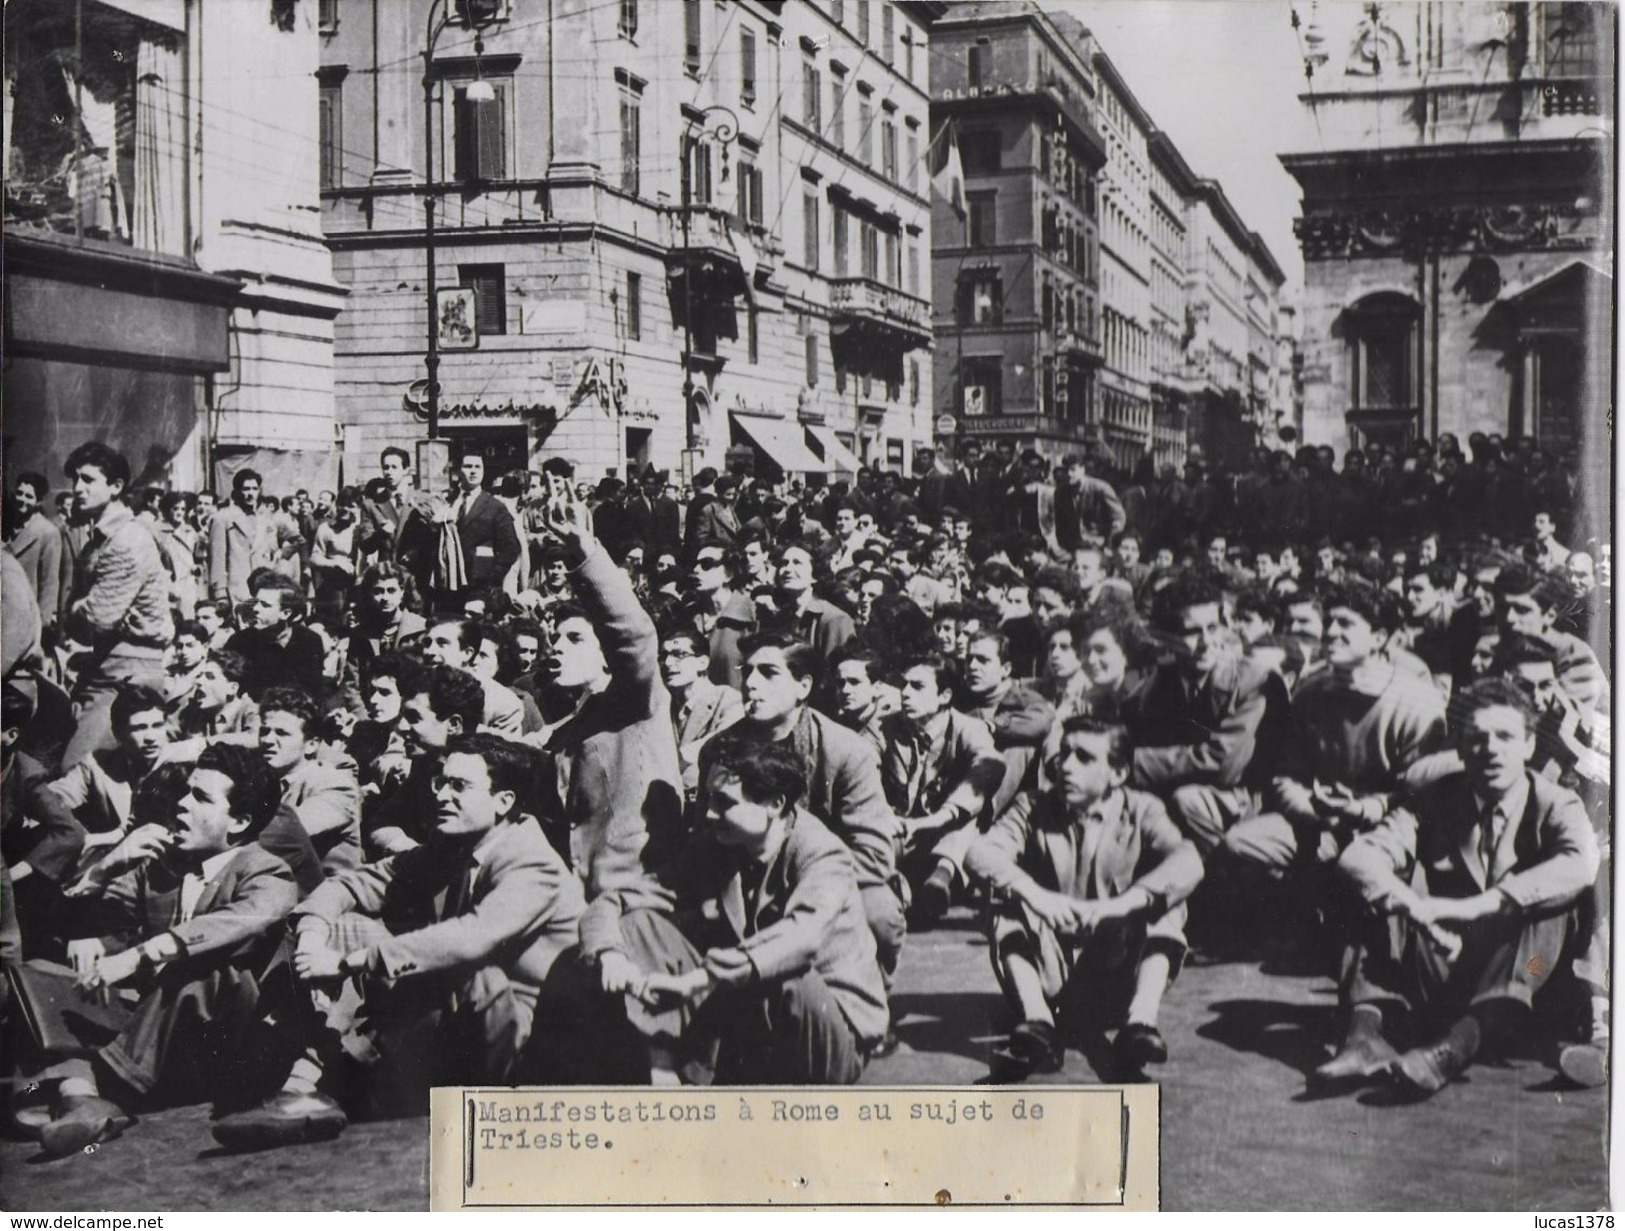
{"x":716,"y":125}
{"x":477,"y":15}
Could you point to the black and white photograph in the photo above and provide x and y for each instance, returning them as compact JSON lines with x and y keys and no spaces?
{"x":808,"y":543}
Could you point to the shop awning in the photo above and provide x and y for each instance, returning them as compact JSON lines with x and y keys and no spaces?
{"x":836,"y":455}
{"x":782,"y":441}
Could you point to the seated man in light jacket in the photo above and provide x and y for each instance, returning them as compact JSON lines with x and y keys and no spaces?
{"x":1475,"y":888}
{"x":1093,"y":924}
{"x":749,"y":958}
{"x":450,"y":942}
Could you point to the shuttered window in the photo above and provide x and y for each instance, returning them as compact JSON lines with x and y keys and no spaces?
{"x":490,"y":286}
{"x":481,"y":135}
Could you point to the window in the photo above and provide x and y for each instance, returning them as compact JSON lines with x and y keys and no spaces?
{"x":912,"y":259}
{"x":980,"y":392}
{"x":981,"y":300}
{"x":691,"y":36}
{"x":747,"y":67}
{"x":332,"y":136}
{"x":809,"y":229}
{"x":870,"y":240}
{"x":327,"y":16}
{"x":696,"y":165}
{"x":481,"y":142}
{"x":863,"y":22}
{"x":837,"y":11}
{"x":750,"y":192}
{"x":908,"y":53}
{"x":978,"y":63}
{"x":811,"y":344}
{"x":980,"y":153}
{"x":490,"y":287}
{"x":1046,"y":387}
{"x":888,"y":34}
{"x":911,"y":163}
{"x":1046,"y":311}
{"x":1571,"y":39}
{"x":866,"y":119}
{"x":837,"y":108}
{"x":913,"y":382}
{"x":888,"y":148}
{"x":983,"y":229}
{"x":752,"y":352}
{"x":627,"y":25}
{"x":894,"y":260}
{"x":839,"y":217}
{"x":631,"y":139}
{"x":812,"y":85}
{"x":634,"y":306}
{"x":1383,"y":352}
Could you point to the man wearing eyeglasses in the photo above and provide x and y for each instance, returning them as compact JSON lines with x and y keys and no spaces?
{"x":449,"y":943}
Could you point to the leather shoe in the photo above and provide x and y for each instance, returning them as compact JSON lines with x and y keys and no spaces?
{"x":82,"y":1120}
{"x":1585,"y":1064}
{"x":1359,"y":1060}
{"x":283,"y":1119}
{"x":1427,"y":1070}
{"x":1138,"y":1045}
{"x":1037,"y":1048}
{"x":935,"y":897}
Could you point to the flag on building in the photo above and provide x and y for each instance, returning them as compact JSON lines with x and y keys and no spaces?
{"x":947,"y":171}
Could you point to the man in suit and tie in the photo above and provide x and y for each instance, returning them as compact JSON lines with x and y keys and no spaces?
{"x":192,"y":920}
{"x":699,"y":708}
{"x":1473,"y":888}
{"x":243,"y":538}
{"x":397,"y":525}
{"x":450,"y":943}
{"x":749,"y":951}
{"x":486,"y":530}
{"x":1093,"y":878}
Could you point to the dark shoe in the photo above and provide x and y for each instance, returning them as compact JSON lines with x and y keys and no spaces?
{"x":1585,"y":1064}
{"x":83,"y":1120}
{"x":284,"y":1119}
{"x":935,"y":897}
{"x":1361,"y":1059}
{"x":1427,"y":1070}
{"x":1037,"y":1048}
{"x":1138,"y":1045}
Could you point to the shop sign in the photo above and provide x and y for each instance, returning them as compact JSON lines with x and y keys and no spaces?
{"x":416,"y":403}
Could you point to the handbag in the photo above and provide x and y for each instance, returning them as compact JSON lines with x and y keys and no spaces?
{"x":63,"y":1018}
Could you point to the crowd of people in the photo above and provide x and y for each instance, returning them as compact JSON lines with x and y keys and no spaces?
{"x":312,"y":803}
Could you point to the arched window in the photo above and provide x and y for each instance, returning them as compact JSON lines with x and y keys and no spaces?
{"x":1383,"y":336}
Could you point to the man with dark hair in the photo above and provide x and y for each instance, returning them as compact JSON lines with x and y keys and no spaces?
{"x":277,"y":647}
{"x":395,"y":523}
{"x":718,"y":524}
{"x":1427,"y":628}
{"x":326,"y":799}
{"x":860,"y":700}
{"x":749,"y":951}
{"x":816,"y":621}
{"x":1090,"y":926}
{"x":451,"y":943}
{"x":217,"y":708}
{"x":1527,"y":602}
{"x":486,"y":531}
{"x":1473,"y":885}
{"x":438,"y":704}
{"x":842,"y":773}
{"x":36,"y":542}
{"x":1208,"y":725}
{"x":453,"y":643}
{"x":244,"y":537}
{"x":1087,"y":510}
{"x":191,"y":917}
{"x":699,"y":708}
{"x":120,"y":602}
{"x":383,"y":622}
{"x":940,"y":769}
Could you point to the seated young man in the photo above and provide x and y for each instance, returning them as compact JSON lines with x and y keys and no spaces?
{"x":192,"y":919}
{"x":450,"y":943}
{"x":440,"y":703}
{"x":939,"y":769}
{"x":326,"y":798}
{"x":700,"y":708}
{"x":278,"y":648}
{"x":1474,"y":889}
{"x":217,"y":708}
{"x":1094,"y":876}
{"x":748,"y":959}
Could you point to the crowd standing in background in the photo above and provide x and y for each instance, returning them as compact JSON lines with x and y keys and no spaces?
{"x":321,"y":800}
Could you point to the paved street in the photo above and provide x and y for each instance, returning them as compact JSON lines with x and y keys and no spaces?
{"x":1238,"y":1130}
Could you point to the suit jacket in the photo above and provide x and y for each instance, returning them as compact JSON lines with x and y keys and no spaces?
{"x":249,"y":898}
{"x":1225,"y":732}
{"x":843,"y":791}
{"x":825,"y":627}
{"x":1037,"y":842}
{"x":966,"y":772}
{"x":1542,"y":863}
{"x":327,"y":801}
{"x":807,"y":915}
{"x":38,"y":547}
{"x":706,"y":710}
{"x":241,"y":542}
{"x":35,"y":826}
{"x":490,"y":542}
{"x":616,"y":757}
{"x":718,"y":525}
{"x":509,"y":902}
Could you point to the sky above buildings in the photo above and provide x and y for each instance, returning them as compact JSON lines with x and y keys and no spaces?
{"x":1222,"y":78}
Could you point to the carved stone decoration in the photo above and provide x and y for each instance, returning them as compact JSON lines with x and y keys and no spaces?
{"x":1376,"y":47}
{"x":1375,"y":233}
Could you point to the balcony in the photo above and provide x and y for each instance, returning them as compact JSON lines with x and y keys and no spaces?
{"x":1070,"y":344}
{"x":885,"y":314}
{"x":704,"y":246}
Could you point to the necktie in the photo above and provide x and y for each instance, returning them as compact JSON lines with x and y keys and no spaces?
{"x":1489,"y":838}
